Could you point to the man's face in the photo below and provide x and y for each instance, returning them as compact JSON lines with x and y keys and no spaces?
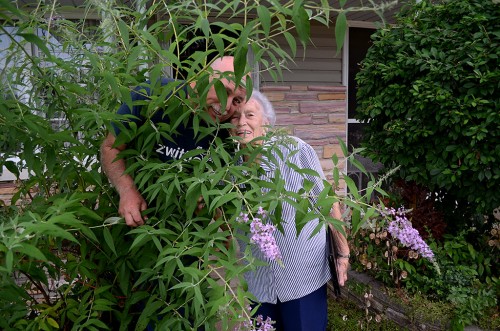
{"x":234,"y":98}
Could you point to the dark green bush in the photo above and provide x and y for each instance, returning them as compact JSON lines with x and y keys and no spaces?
{"x":430,"y":90}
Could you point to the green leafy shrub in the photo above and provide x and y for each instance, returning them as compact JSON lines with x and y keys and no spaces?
{"x":428,"y":88}
{"x":67,"y":261}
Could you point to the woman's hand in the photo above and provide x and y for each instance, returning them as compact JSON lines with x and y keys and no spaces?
{"x":342,"y":268}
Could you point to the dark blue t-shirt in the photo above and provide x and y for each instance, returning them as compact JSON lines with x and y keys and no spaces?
{"x":183,"y":140}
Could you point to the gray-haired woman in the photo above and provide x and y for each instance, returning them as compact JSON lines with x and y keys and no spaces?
{"x":293,"y":294}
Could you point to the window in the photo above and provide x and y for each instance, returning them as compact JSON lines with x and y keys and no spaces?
{"x":20,"y":82}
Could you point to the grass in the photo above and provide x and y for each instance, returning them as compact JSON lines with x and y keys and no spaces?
{"x":345,"y":315}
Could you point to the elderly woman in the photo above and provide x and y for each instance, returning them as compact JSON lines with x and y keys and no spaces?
{"x":293,"y":294}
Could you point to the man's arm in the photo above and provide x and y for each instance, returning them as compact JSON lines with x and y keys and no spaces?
{"x":131,"y":201}
{"x":342,"y":246}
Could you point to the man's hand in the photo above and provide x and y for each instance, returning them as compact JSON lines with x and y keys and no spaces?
{"x":131,"y":201}
{"x":342,"y":267}
{"x":131,"y":205}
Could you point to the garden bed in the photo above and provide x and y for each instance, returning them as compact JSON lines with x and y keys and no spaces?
{"x":358,"y":290}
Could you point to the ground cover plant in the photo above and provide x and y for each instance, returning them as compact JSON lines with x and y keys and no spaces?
{"x":346,"y":315}
{"x":67,"y":261}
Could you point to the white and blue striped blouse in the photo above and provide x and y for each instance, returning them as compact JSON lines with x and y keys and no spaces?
{"x":305,"y":265}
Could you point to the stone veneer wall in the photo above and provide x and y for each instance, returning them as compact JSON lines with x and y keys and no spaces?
{"x":7,"y":190}
{"x":316,"y":114}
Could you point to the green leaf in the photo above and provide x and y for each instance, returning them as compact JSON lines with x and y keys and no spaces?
{"x":221,"y":92}
{"x":264,"y":19}
{"x":108,"y":238}
{"x":182,"y":285}
{"x":240,"y":61}
{"x":335,"y":159}
{"x":356,"y":220}
{"x":325,"y":7}
{"x":192,"y":195}
{"x":205,"y":27}
{"x":310,"y":172}
{"x":219,"y":44}
{"x":221,"y":200}
{"x":353,"y":190}
{"x":31,"y":250}
{"x":41,"y":44}
{"x":358,"y":165}
{"x":139,"y":240}
{"x":9,"y":261}
{"x":52,"y":230}
{"x":302,"y":24}
{"x":112,"y":81}
{"x":50,"y":159}
{"x":340,"y":30}
{"x":124,"y":33}
{"x":12,"y":167}
{"x":291,"y":42}
{"x":343,"y":146}
{"x":52,"y":322}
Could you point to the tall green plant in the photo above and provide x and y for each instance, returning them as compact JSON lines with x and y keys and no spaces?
{"x":67,"y":261}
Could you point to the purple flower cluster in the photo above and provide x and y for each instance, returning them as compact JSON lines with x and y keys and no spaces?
{"x":262,"y":235}
{"x":400,"y":227}
{"x":261,"y":324}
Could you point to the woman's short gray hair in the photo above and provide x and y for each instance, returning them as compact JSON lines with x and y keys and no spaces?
{"x":267,"y":107}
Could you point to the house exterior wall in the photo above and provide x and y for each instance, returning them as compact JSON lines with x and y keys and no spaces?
{"x":316,"y":114}
{"x":320,"y":63}
{"x":311,"y":100}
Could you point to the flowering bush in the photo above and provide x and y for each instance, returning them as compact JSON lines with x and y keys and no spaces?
{"x":390,"y":243}
{"x":400,"y":228}
{"x":391,"y":250}
{"x":57,"y":108}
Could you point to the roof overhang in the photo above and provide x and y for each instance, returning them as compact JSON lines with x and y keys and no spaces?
{"x":357,"y":10}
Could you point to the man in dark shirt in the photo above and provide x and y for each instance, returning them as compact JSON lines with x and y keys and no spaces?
{"x":132,"y":202}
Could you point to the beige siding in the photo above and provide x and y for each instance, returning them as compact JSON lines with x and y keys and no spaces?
{"x":320,"y":64}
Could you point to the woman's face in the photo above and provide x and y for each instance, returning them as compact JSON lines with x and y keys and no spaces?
{"x":248,"y":122}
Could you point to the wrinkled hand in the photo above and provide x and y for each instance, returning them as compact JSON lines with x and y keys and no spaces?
{"x":131,"y":205}
{"x":342,"y":267}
